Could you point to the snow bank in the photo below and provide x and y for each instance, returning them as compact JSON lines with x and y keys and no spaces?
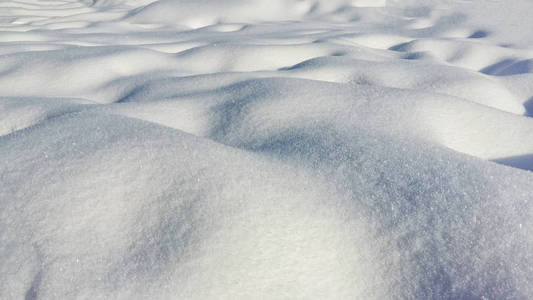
{"x":180,"y":149}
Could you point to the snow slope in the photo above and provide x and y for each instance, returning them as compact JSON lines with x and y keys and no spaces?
{"x":295,"y":149}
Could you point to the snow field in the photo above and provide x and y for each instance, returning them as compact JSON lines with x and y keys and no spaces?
{"x":180,"y":149}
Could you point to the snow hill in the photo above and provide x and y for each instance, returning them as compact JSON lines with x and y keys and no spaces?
{"x":266,"y":149}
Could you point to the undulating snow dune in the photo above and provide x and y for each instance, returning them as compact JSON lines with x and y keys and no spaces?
{"x":266,"y":149}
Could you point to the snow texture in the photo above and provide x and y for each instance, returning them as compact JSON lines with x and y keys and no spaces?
{"x":266,"y":149}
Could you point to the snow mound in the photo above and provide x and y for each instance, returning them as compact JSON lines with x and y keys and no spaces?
{"x":195,"y":14}
{"x":123,"y":208}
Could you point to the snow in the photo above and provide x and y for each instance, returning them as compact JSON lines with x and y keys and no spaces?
{"x":297,"y":149}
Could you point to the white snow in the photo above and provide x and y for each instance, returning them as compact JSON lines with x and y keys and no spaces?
{"x":266,"y":149}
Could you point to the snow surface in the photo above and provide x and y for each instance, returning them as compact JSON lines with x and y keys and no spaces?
{"x":266,"y":149}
